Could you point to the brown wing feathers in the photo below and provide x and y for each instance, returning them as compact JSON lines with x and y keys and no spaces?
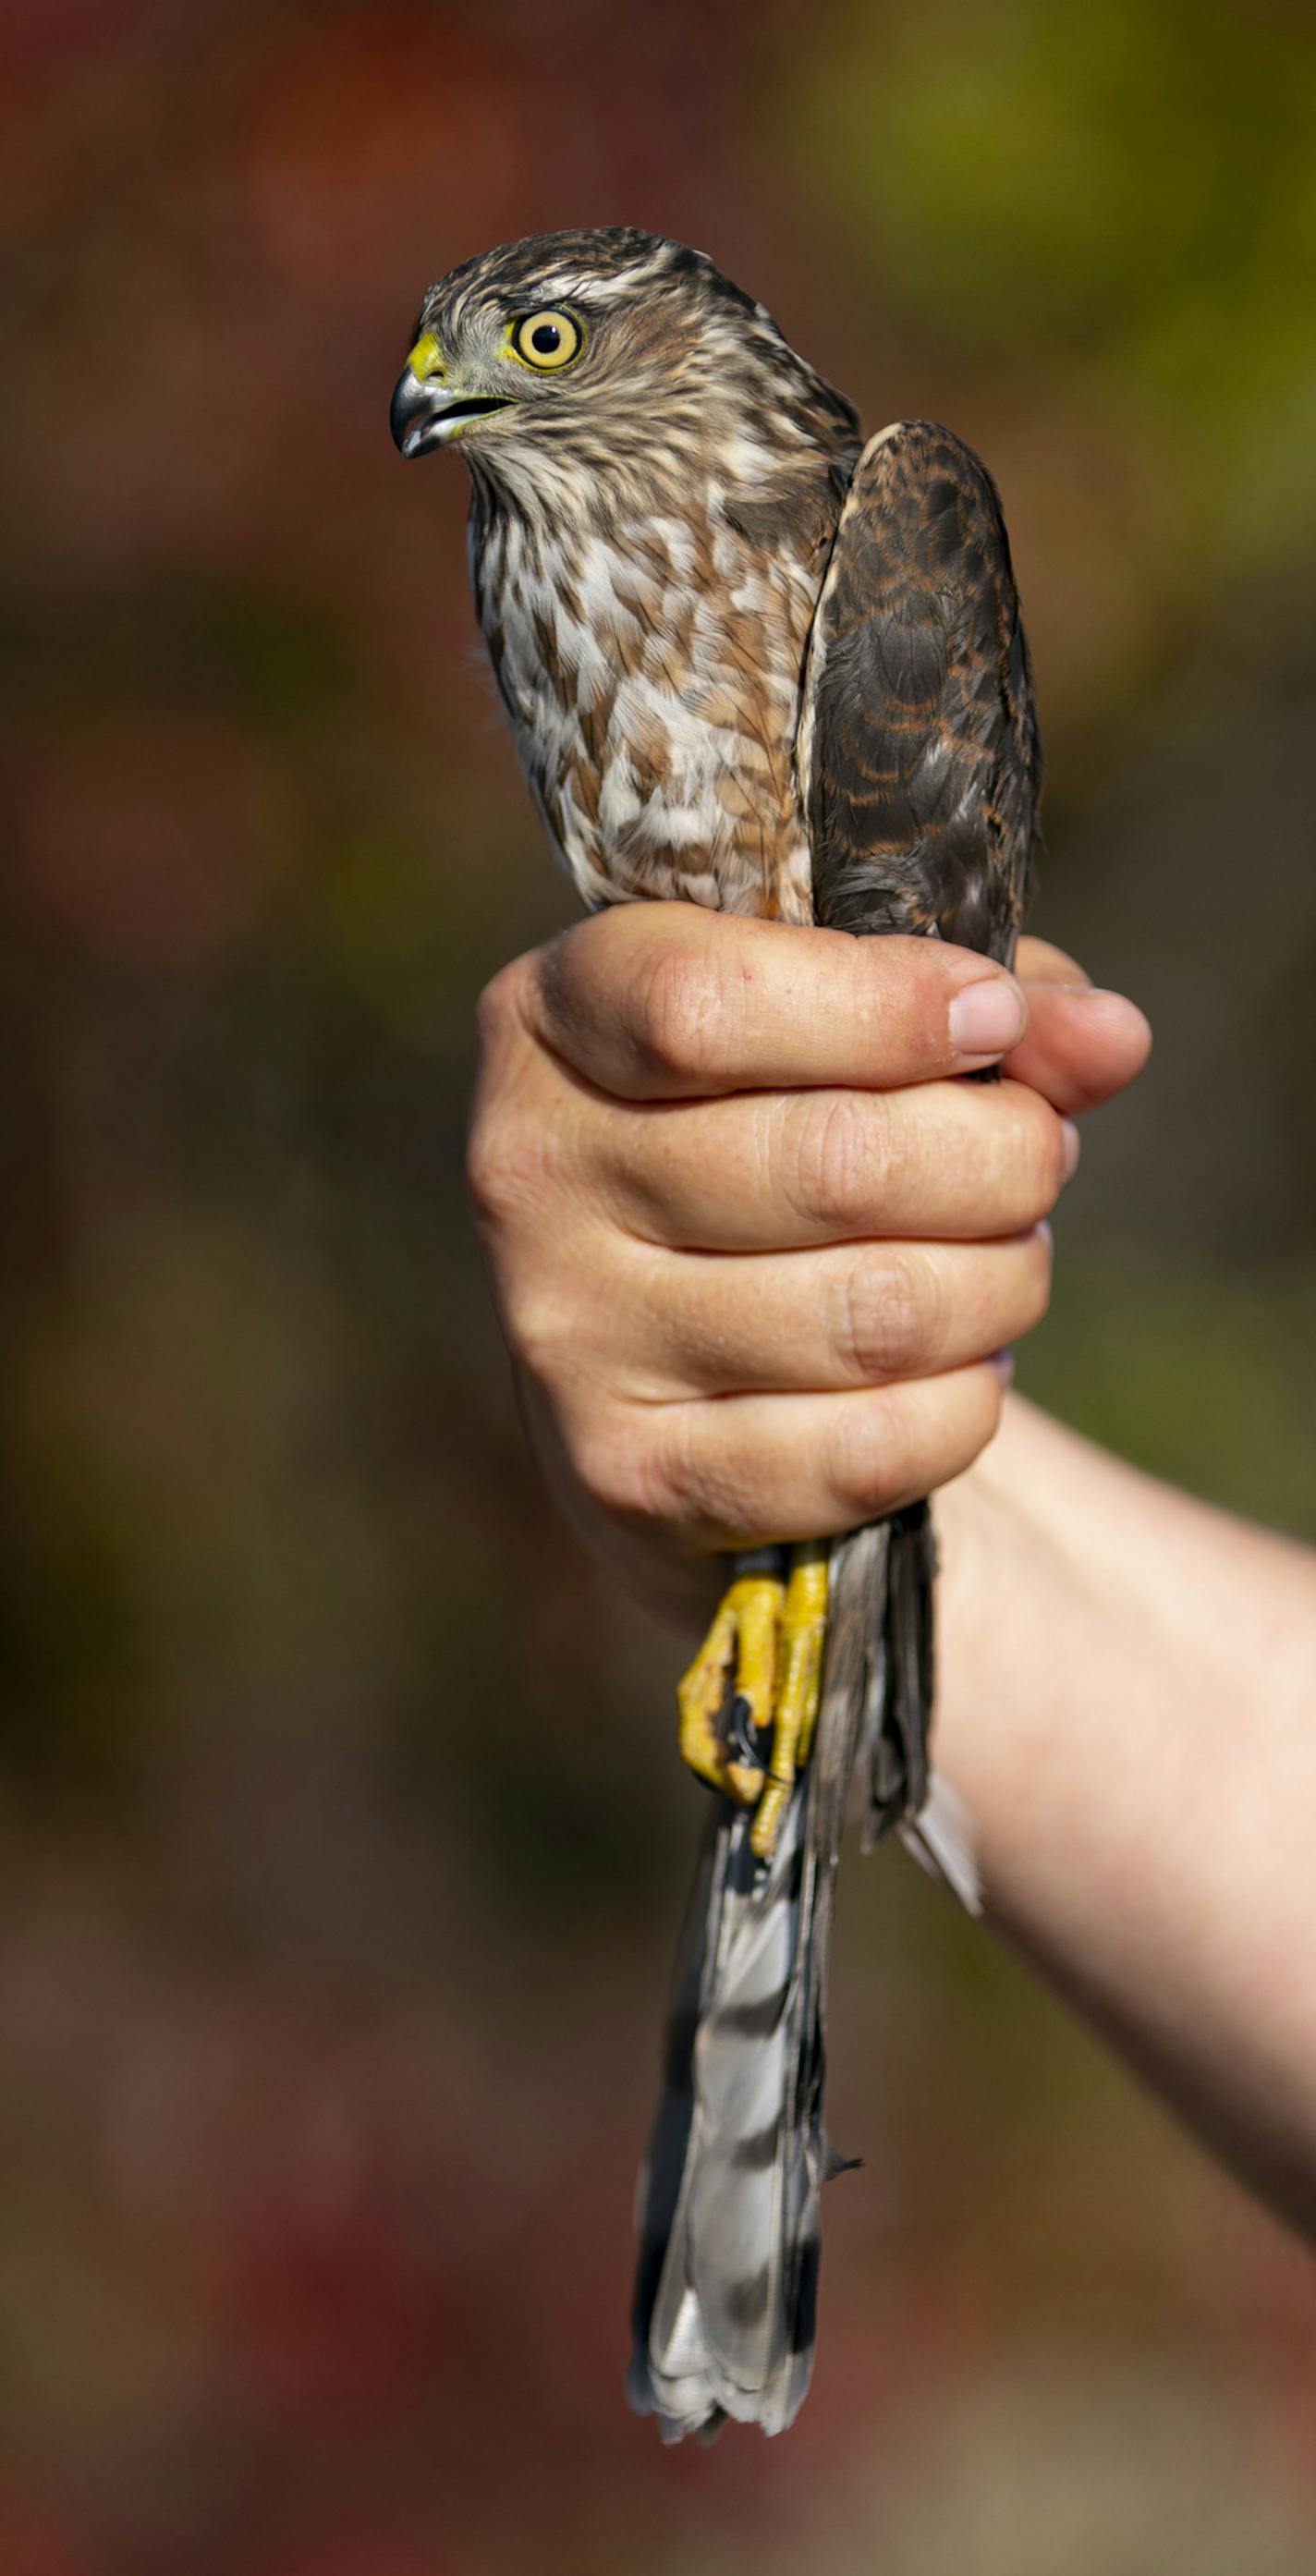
{"x":918,"y":741}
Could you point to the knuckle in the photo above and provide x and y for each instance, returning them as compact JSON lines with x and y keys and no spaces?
{"x":674,"y":1477}
{"x":617,"y":1468}
{"x":541,"y":1334}
{"x":889,"y":1314}
{"x":843,"y":1156}
{"x":510,"y":1165}
{"x":500,"y":1010}
{"x":871,"y":1468}
{"x":702,"y":1489}
{"x":573,"y":974}
{"x":510,"y":1155}
{"x":679,"y":1017}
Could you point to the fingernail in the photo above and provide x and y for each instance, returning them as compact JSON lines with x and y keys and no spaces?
{"x":1003,"y":1363}
{"x":1072,"y":1147}
{"x":988,"y":1018}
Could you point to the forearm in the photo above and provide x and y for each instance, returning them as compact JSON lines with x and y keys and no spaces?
{"x":1126,"y":1707}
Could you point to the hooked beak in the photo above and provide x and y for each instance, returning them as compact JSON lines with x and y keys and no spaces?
{"x":426,"y":412}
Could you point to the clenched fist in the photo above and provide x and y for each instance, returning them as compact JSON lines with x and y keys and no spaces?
{"x":757,"y":1252}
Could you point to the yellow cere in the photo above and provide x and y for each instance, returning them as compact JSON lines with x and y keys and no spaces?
{"x":426,"y":359}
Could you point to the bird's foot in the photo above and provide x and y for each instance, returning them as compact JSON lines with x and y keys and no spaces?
{"x":799,"y":1687}
{"x":726,"y":1698}
{"x":749,"y":1702}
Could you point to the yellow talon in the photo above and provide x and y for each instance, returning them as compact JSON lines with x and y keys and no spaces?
{"x":758,"y":1677}
{"x":699,"y":1696}
{"x":742,"y":1642}
{"x":800,"y":1651}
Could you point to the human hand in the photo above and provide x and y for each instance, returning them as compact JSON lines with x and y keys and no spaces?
{"x":756,"y":1252}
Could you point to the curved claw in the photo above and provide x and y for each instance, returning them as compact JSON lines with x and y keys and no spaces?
{"x":749,"y":1702}
{"x":738,"y":1657}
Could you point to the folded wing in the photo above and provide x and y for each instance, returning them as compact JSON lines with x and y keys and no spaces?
{"x":918,"y":755}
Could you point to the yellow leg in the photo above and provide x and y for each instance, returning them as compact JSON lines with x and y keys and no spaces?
{"x":742,"y":1640}
{"x":800,"y":1656}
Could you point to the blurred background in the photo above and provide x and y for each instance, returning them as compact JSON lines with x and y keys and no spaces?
{"x":337,"y":1904}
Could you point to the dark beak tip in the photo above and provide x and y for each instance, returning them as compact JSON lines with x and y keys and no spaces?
{"x":413,"y":413}
{"x":403,"y":413}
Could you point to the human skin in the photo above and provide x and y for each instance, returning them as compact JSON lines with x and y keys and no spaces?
{"x":1127,"y":1680}
{"x":753,"y":1246}
{"x":754,"y":1250}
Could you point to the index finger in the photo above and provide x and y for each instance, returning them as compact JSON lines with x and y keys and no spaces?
{"x":668,"y":1001}
{"x":1081,"y":1046}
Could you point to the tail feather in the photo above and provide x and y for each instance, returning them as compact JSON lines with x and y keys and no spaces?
{"x":901,"y":1684}
{"x":728,"y":2215}
{"x":940,"y":1838}
{"x":925,"y":1811}
{"x":717,"y":2313}
{"x":726,"y":2292}
{"x":662,"y":2176}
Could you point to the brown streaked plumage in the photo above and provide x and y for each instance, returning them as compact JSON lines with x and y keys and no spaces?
{"x":750,"y":662}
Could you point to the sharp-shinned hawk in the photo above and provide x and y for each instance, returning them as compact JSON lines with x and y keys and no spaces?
{"x":752,"y":662}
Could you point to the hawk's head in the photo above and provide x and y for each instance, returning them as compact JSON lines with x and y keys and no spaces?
{"x":577,"y":362}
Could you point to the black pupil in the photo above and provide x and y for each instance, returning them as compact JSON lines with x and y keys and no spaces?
{"x":545,"y":337}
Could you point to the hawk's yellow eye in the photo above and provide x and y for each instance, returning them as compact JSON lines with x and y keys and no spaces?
{"x":547,"y":339}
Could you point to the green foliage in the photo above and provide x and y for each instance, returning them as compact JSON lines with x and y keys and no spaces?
{"x":1200,"y":1374}
{"x":1122,"y":195}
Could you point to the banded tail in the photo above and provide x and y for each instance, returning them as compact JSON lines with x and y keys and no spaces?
{"x":726,"y":2288}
